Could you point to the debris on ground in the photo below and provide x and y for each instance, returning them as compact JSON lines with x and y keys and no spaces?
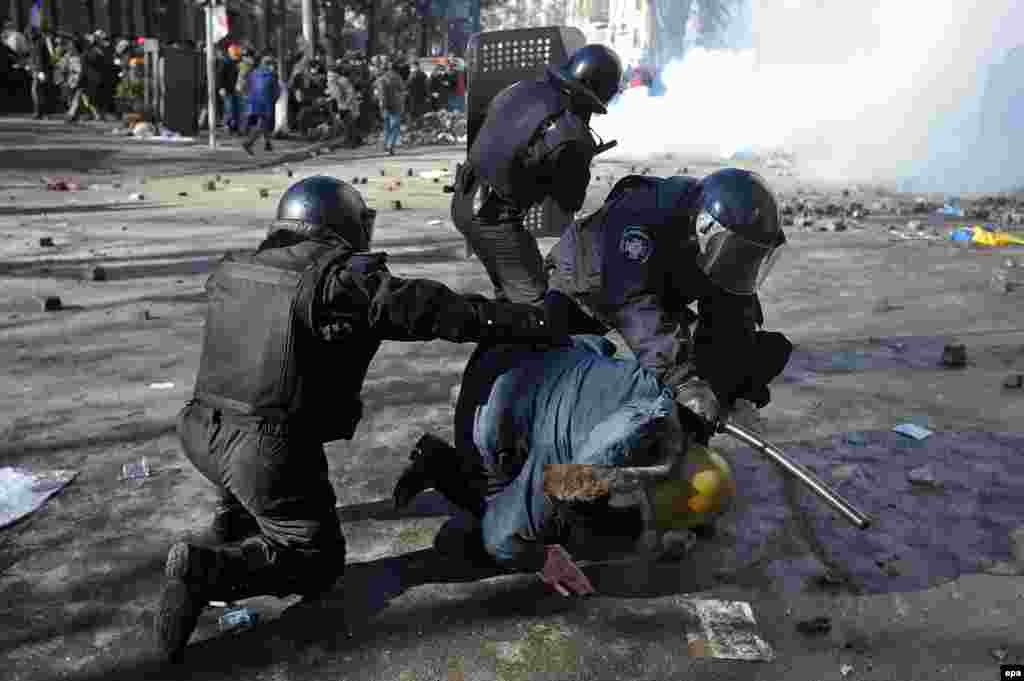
{"x":98,"y":273}
{"x":912,"y":430}
{"x":136,"y":470}
{"x":814,"y":626}
{"x":60,"y":185}
{"x":1009,"y":278}
{"x":923,"y":476}
{"x":51,"y":304}
{"x":437,"y":127}
{"x":435,"y":223}
{"x":22,"y":492}
{"x":999,"y":653}
{"x":243,"y":618}
{"x":727,"y":631}
{"x":845,"y":669}
{"x":396,"y":205}
{"x":137,"y":197}
{"x":210,"y":185}
{"x":1014,"y":382}
{"x":46,"y":241}
{"x":954,"y":356}
{"x":264,"y":193}
{"x":162,"y":385}
{"x":182,"y":193}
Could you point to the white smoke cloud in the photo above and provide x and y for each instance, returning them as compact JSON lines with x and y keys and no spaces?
{"x":871,"y":90}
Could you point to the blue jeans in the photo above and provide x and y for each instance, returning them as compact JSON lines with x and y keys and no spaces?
{"x":628,"y":426}
{"x":392,"y":128}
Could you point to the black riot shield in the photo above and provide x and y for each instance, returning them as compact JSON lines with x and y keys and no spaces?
{"x":498,"y":59}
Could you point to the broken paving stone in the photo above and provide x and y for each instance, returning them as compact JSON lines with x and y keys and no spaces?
{"x":98,"y":274}
{"x":1014,"y":382}
{"x":264,"y":193}
{"x":409,"y":172}
{"x":46,"y":241}
{"x":397,"y":205}
{"x":815,"y":626}
{"x":182,"y":193}
{"x":51,"y":304}
{"x":145,"y":315}
{"x":210,"y":186}
{"x":923,"y":476}
{"x":954,"y":356}
{"x":383,"y":173}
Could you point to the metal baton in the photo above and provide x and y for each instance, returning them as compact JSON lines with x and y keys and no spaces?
{"x":857,"y":518}
{"x":605,"y":147}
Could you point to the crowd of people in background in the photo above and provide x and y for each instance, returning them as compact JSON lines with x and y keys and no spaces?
{"x":350,"y":97}
{"x":74,"y":75}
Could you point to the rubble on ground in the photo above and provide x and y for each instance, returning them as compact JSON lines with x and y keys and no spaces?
{"x":436,"y":127}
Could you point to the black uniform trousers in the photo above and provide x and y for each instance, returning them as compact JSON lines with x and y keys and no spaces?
{"x":508,"y":251}
{"x":281,"y":478}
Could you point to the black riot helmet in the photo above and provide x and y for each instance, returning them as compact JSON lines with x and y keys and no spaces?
{"x":321,"y":206}
{"x":738,"y":229}
{"x":594,"y":71}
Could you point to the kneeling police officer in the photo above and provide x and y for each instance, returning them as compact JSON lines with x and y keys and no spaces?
{"x":290,"y":331}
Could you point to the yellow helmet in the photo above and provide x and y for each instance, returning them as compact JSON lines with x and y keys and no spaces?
{"x":704,"y":491}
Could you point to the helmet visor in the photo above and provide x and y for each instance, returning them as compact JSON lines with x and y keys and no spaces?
{"x":733,"y":263}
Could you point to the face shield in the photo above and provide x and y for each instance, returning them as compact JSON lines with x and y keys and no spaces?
{"x":735,"y":264}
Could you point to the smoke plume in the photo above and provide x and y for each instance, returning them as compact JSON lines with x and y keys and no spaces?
{"x":873,"y":90}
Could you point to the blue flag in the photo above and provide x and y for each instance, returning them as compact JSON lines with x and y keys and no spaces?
{"x":36,"y":15}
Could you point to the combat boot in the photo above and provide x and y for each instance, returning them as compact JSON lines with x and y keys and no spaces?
{"x":195,"y":576}
{"x":438,"y":465}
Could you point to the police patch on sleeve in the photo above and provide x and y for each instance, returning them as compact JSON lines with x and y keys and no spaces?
{"x":636,"y":245}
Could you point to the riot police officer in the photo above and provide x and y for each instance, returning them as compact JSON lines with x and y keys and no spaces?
{"x":658,"y":245}
{"x":290,"y":331}
{"x":535,"y":142}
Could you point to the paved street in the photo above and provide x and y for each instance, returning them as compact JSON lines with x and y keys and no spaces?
{"x":97,"y":384}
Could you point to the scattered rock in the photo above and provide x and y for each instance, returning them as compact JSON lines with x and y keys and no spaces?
{"x":138,"y":197}
{"x":355,"y":180}
{"x":814,"y":626}
{"x":834,"y":226}
{"x":409,"y":172}
{"x":210,"y":186}
{"x":182,"y":193}
{"x":217,"y":178}
{"x":145,"y":315}
{"x":366,"y":180}
{"x":46,"y":241}
{"x":289,"y":172}
{"x":845,"y":670}
{"x":227,"y":180}
{"x":264,"y":193}
{"x":999,"y":653}
{"x":923,"y":476}
{"x":1014,"y":382}
{"x":383,"y":172}
{"x":51,"y":304}
{"x":397,"y":205}
{"x":98,"y":274}
{"x":954,"y":356}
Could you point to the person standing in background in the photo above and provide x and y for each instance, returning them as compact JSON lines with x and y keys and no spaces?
{"x":264,"y":90}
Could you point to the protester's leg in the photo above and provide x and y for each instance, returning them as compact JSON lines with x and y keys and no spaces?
{"x":76,"y":101}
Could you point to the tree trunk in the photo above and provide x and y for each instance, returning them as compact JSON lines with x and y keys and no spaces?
{"x":268,"y":18}
{"x":425,"y":36}
{"x":371,"y":28}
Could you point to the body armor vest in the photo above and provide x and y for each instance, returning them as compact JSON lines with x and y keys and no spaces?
{"x":261,"y":354}
{"x":503,"y":154}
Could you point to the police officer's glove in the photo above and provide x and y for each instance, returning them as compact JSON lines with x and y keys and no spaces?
{"x":699,"y":410}
{"x":522,"y":323}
